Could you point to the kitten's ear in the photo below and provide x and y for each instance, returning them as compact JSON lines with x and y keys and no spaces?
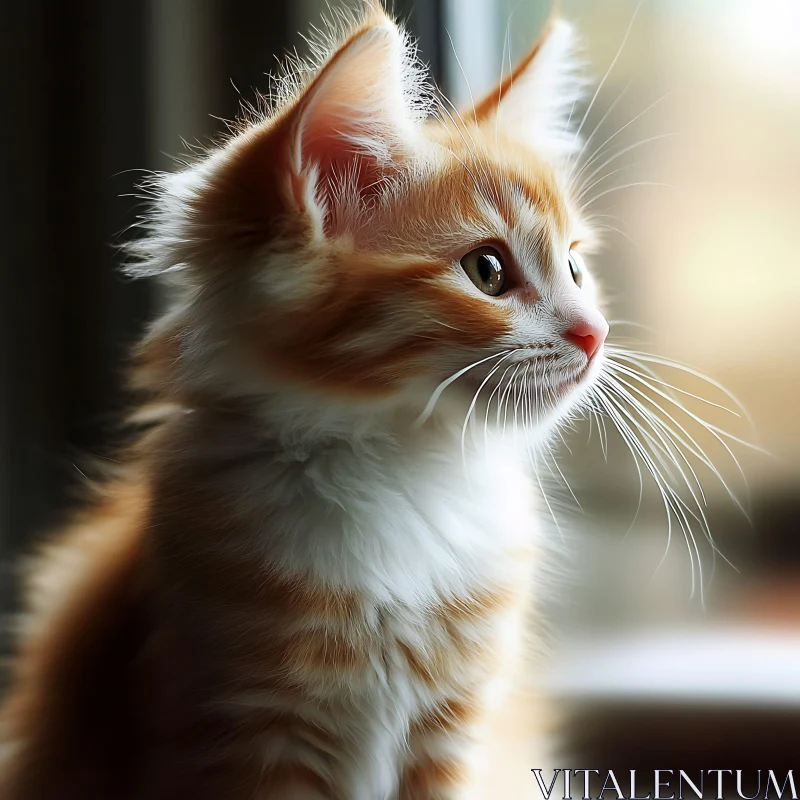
{"x":358,"y":120}
{"x":306,"y":169}
{"x":534,"y":103}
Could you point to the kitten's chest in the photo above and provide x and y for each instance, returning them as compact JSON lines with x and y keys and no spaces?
{"x":408,"y":528}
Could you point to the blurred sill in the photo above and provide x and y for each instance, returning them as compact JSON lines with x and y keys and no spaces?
{"x":731,"y":667}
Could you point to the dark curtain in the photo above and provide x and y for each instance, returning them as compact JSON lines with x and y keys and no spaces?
{"x":74,"y":79}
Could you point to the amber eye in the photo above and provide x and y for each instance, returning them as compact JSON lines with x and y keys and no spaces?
{"x":576,"y":267}
{"x":485,"y":269}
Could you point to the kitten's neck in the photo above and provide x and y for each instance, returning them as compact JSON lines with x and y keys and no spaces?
{"x":300,"y":427}
{"x":259,"y":433}
{"x":396,"y":511}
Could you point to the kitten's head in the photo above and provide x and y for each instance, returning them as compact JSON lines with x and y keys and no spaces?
{"x":350,"y":248}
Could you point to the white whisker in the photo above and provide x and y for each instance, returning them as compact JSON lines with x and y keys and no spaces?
{"x":610,"y":67}
{"x":611,"y":159}
{"x":663,"y":451}
{"x":598,"y":151}
{"x":598,"y":126}
{"x":473,"y":403}
{"x":627,"y":186}
{"x":712,"y":429}
{"x":668,"y":495}
{"x":428,"y":410}
{"x":536,"y":399}
{"x":489,"y":406}
{"x":639,"y":356}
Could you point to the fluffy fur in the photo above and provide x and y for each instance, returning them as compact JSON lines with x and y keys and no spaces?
{"x":315,"y":567}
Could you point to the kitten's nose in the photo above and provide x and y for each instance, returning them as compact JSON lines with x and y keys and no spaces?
{"x":589,"y":336}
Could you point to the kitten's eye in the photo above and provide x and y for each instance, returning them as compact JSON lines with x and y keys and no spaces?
{"x":576,"y":267}
{"x":485,"y":269}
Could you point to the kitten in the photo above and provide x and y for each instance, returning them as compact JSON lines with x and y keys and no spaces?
{"x":316,"y":565}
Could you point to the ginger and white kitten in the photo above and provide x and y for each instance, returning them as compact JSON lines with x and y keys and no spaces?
{"x":316,"y":563}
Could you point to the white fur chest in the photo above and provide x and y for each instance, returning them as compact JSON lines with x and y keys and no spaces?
{"x":408,"y":523}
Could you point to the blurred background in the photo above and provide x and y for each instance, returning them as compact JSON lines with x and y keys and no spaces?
{"x":700,"y":112}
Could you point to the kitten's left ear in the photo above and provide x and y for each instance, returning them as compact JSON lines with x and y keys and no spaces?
{"x":534,"y":103}
{"x":359,"y":119}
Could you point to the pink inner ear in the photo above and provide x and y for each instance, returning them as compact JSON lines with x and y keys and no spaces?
{"x":344,"y":150}
{"x":354,"y":118}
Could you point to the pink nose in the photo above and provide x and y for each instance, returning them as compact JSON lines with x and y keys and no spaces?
{"x":588,"y":336}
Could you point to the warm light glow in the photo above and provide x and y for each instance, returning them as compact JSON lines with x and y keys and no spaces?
{"x":766,"y":37}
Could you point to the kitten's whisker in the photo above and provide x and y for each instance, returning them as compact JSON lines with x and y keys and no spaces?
{"x":666,"y":447}
{"x":458,"y":121}
{"x":638,"y":356}
{"x":472,"y":407}
{"x":608,"y":71}
{"x":533,"y":457}
{"x":462,"y":128}
{"x":569,"y":118}
{"x":597,"y":127}
{"x":627,"y":186}
{"x":503,"y":404}
{"x":605,"y":177}
{"x":519,"y":394}
{"x":611,"y":159}
{"x":651,"y":377}
{"x":657,"y":424}
{"x":594,"y":415}
{"x":657,"y":452}
{"x":564,"y":441}
{"x":566,"y":482}
{"x":614,"y":322}
{"x":591,"y":219}
{"x":489,"y":406}
{"x":506,"y":45}
{"x":428,"y":410}
{"x":598,"y":415}
{"x":620,"y":232}
{"x":634,"y":448}
{"x":515,"y":395}
{"x":672,"y":501}
{"x":700,"y":455}
{"x":712,"y":429}
{"x":598,"y":151}
{"x":461,"y":69}
{"x":616,"y":352}
{"x":590,"y":416}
